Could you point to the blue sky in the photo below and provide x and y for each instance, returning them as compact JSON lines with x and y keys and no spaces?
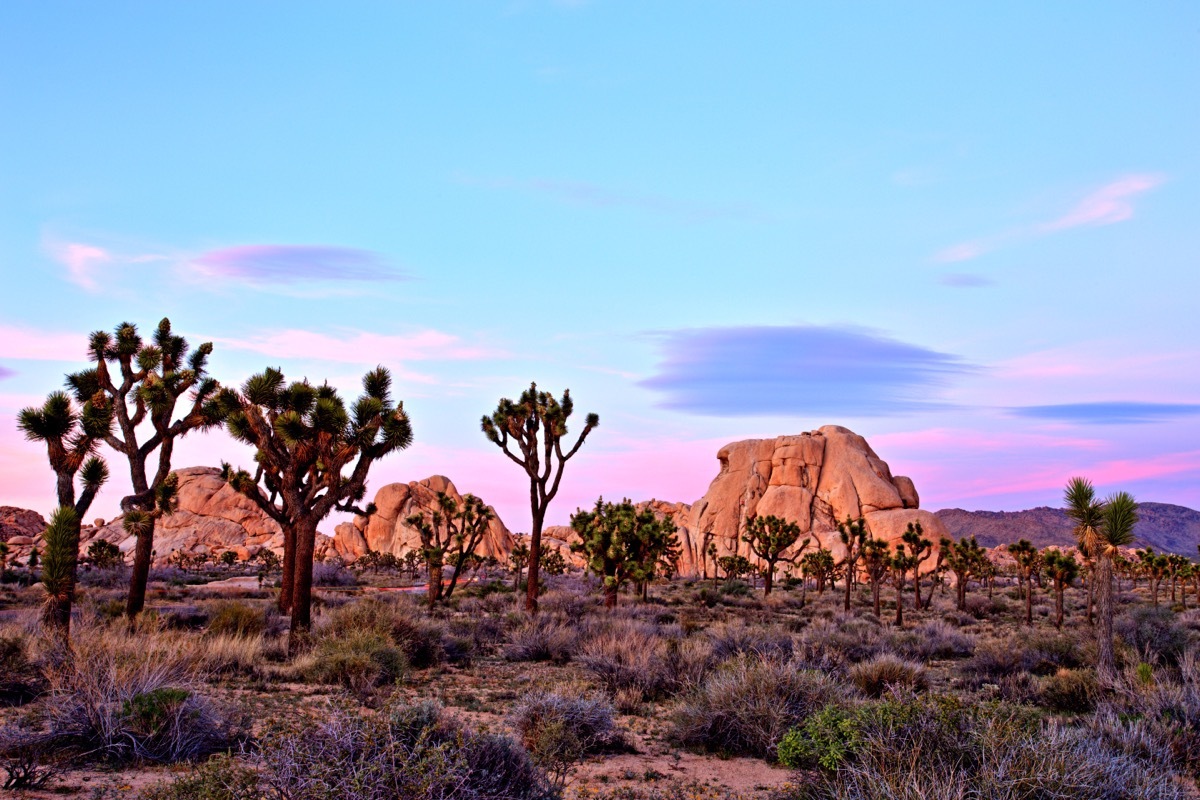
{"x":968,"y":233}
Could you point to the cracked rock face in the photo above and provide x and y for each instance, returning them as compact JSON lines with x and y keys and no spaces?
{"x":387,"y":532}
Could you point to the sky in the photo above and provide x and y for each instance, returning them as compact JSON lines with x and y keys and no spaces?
{"x":965,"y":231}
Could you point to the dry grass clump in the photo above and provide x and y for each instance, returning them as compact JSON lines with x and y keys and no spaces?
{"x":746,"y":706}
{"x":543,"y":638}
{"x":1154,"y":634}
{"x":235,"y":618}
{"x":732,"y":639}
{"x":935,"y":639}
{"x":1070,"y":690}
{"x":637,"y":661}
{"x":834,"y":641}
{"x":1030,"y":652}
{"x":131,"y":696}
{"x":886,"y":673}
{"x":20,"y":678}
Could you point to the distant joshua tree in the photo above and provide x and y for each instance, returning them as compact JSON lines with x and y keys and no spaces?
{"x":966,"y":559}
{"x":920,"y":549}
{"x":450,"y":534}
{"x":901,"y":564}
{"x":621,"y":543}
{"x":853,"y":534}
{"x":518,"y":557}
{"x":1062,"y":569}
{"x":1028,"y":561}
{"x":769,"y":538}
{"x":71,"y":431}
{"x":313,"y":457}
{"x":143,"y":383}
{"x":876,"y":563}
{"x":536,"y":425}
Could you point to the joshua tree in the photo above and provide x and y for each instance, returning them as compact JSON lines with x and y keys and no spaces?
{"x":1028,"y":559}
{"x":536,"y":425}
{"x":621,"y":543}
{"x":710,"y":551}
{"x":876,"y":563}
{"x":1088,"y":516}
{"x":71,"y":437}
{"x":1062,"y":569}
{"x":853,"y":534}
{"x":1155,"y":567}
{"x":920,"y":549}
{"x":517,"y":559}
{"x":821,"y":566}
{"x":313,"y":458}
{"x":552,"y":562}
{"x":769,"y":538}
{"x":450,"y":531}
{"x":901,"y":564}
{"x":964,"y":559}
{"x":734,"y":566}
{"x":143,"y":383}
{"x":1109,"y":527}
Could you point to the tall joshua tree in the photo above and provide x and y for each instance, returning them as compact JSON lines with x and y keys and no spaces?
{"x":144,"y":382}
{"x":1088,"y":515}
{"x":1062,"y":569}
{"x":313,"y":457}
{"x":876,"y":563}
{"x":964,"y":558}
{"x":1028,"y":560}
{"x":919,"y":549}
{"x":902,"y":563}
{"x":769,"y":538}
{"x":71,"y":436}
{"x":535,"y":425}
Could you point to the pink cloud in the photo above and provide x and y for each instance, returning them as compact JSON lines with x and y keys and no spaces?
{"x":276,"y":263}
{"x":1107,"y":205}
{"x":959,"y":252}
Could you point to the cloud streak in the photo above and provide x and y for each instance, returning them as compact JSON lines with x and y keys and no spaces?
{"x":1108,"y":205}
{"x":1108,"y":413}
{"x":273,"y":264}
{"x":965,"y":280}
{"x":360,"y":347}
{"x":801,"y":370}
{"x":6,"y":373}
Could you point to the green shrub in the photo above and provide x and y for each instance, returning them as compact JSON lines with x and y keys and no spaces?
{"x":1155,"y":634}
{"x":359,"y":661}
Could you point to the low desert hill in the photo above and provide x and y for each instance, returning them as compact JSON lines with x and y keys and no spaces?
{"x":1165,"y":527}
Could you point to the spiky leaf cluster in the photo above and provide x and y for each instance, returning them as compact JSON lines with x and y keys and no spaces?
{"x":621,"y":543}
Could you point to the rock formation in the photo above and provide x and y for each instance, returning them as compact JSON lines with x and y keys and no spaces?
{"x":387,"y":532}
{"x":815,"y":479}
{"x":211,"y":519}
{"x":20,"y":529}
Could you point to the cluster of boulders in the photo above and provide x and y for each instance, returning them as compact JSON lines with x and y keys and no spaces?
{"x":816,"y":479}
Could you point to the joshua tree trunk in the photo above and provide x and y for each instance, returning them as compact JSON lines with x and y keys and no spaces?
{"x":960,"y":589}
{"x":287,"y":578}
{"x":875,"y":596}
{"x":610,"y":593}
{"x":849,"y":583}
{"x":535,"y":551}
{"x":1091,"y":596}
{"x":1106,"y":659}
{"x":900,"y":602}
{"x":1058,"y":607}
{"x":434,"y":590}
{"x":306,"y":540}
{"x":768,"y":579}
{"x":1029,"y":602}
{"x":142,"y":553}
{"x":917,"y":589}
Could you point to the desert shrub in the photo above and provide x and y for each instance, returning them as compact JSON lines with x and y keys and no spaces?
{"x":559,"y":729}
{"x":735,"y":588}
{"x":1159,"y":717}
{"x":221,"y":777}
{"x":745,"y":707}
{"x":543,"y":638}
{"x":638,"y":659}
{"x":359,"y":660}
{"x":1037,"y":653}
{"x":886,"y":672}
{"x":1153,"y":633}
{"x":419,"y":639}
{"x":233,"y":618}
{"x":20,"y":679}
{"x":739,"y":639}
{"x":332,"y":573}
{"x":109,"y":577}
{"x":414,"y":752}
{"x":1070,"y":690}
{"x":940,"y":748}
{"x":833,"y":641}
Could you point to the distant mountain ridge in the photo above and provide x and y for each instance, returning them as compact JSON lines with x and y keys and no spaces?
{"x":1163,"y":526}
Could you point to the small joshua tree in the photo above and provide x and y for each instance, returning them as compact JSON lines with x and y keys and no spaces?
{"x":964,"y":558}
{"x":1062,"y":569}
{"x":143,"y":383}
{"x":621,"y":543}
{"x":518,"y":557}
{"x":920,"y":549}
{"x":769,"y":538}
{"x":313,"y":458}
{"x":902,"y":563}
{"x":71,"y":431}
{"x":853,"y":534}
{"x":1028,"y":559}
{"x":536,"y":425}
{"x":876,"y":558}
{"x":735,"y":566}
{"x":450,"y":534}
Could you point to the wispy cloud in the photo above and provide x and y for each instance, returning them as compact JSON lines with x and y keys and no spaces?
{"x":582,"y":193}
{"x":1108,"y":413}
{"x":6,"y":373}
{"x":1107,"y":205}
{"x":271,"y":264}
{"x":81,"y":260}
{"x":360,"y":347}
{"x":800,"y":370}
{"x":965,"y":280}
